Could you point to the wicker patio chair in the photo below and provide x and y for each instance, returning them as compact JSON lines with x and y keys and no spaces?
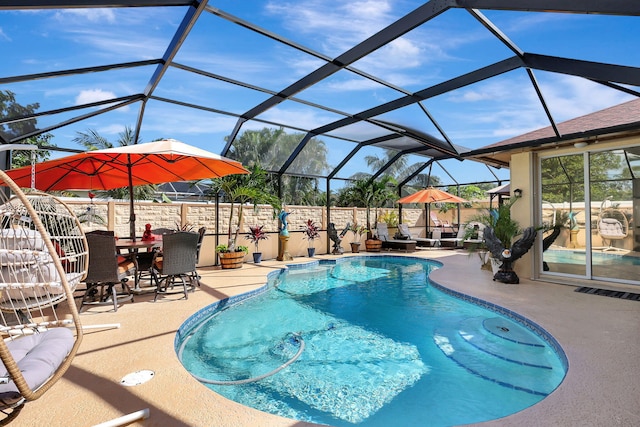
{"x":106,"y":270}
{"x":177,"y":261}
{"x":145,"y":259}
{"x":43,"y":257}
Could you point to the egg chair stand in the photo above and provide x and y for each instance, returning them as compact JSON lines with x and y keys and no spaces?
{"x":43,"y":257}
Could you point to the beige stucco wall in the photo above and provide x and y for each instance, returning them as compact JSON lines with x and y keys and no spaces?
{"x":523,"y":178}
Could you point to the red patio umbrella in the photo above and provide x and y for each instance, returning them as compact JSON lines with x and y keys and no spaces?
{"x":431,"y":195}
{"x":157,"y":162}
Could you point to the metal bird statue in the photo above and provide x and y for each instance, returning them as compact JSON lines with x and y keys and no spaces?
{"x":509,"y":256}
{"x":337,"y":238}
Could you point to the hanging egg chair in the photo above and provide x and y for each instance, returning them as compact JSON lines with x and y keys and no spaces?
{"x":612,"y":225}
{"x":43,"y":257}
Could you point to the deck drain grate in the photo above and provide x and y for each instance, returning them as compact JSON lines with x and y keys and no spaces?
{"x":137,"y":378}
{"x":609,"y":293}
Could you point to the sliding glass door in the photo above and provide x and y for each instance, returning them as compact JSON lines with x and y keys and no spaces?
{"x":595,"y":235}
{"x":564,"y":213}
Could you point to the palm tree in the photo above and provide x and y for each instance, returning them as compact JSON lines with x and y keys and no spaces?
{"x":241,"y":189}
{"x":369,"y":193}
{"x":92,"y":140}
{"x":376,"y":162}
{"x":270,"y":148}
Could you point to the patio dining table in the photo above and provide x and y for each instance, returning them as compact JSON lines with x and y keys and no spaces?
{"x":133,"y":247}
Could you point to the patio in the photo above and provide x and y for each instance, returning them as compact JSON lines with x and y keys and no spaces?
{"x":599,"y":335}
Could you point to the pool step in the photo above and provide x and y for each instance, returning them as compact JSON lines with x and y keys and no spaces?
{"x":511,"y":363}
{"x":489,"y":335}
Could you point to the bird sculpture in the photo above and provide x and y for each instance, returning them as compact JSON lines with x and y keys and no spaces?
{"x":508,"y":255}
{"x":337,"y":238}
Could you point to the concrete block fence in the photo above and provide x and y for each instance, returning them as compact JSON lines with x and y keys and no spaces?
{"x":114,"y":215}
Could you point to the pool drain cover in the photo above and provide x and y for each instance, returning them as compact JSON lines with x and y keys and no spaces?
{"x":137,"y":378}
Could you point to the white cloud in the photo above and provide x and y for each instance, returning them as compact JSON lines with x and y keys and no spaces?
{"x":89,"y":15}
{"x":126,"y":32}
{"x":341,"y":24}
{"x":303,"y":119}
{"x":167,"y":121}
{"x":492,"y":110}
{"x":4,"y":35}
{"x":93,"y":95}
{"x":353,"y":85}
{"x":111,"y":129}
{"x":525,"y":22}
{"x":569,"y":97}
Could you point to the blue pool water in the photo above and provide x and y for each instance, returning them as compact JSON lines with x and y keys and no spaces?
{"x":368,"y":341}
{"x":598,"y":258}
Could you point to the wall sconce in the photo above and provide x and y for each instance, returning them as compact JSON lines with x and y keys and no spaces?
{"x":517,"y":192}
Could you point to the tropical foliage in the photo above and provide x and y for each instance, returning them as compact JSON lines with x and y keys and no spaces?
{"x":252,"y":188}
{"x":390,"y":218}
{"x":91,"y":140}
{"x":369,"y":193}
{"x":358,"y":231}
{"x":271,"y":148}
{"x":563,"y":177}
{"x":311,"y":231}
{"x":400,"y":170}
{"x":505,"y":228}
{"x":467,"y":192}
{"x":222,"y":248}
{"x":256,"y":234}
{"x":9,"y":108}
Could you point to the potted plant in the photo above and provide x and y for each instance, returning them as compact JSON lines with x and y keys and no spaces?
{"x":358,"y":231}
{"x":255,"y":234}
{"x":499,"y":234}
{"x":311,"y":232}
{"x":231,"y":258}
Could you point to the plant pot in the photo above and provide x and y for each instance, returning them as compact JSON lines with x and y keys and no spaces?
{"x":373,"y":245}
{"x":355,"y":248}
{"x":231,"y":259}
{"x":311,"y":252}
{"x":257,"y":257}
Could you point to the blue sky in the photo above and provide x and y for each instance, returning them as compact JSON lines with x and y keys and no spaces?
{"x":451,"y":44}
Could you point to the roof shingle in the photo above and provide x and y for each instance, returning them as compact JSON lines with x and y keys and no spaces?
{"x":621,"y":114}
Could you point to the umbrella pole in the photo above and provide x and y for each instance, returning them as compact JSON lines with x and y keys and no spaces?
{"x":132,"y":213}
{"x":427,"y":219}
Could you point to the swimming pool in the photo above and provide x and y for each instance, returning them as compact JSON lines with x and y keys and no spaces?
{"x":369,"y":341}
{"x":568,"y":256}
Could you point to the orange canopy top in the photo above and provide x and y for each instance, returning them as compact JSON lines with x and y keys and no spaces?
{"x":431,"y":195}
{"x":148,"y":163}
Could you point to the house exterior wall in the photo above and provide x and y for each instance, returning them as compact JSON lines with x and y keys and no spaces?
{"x":522,"y":168}
{"x":524,"y":171}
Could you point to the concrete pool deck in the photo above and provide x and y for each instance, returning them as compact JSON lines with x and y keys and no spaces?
{"x":600,"y":335}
